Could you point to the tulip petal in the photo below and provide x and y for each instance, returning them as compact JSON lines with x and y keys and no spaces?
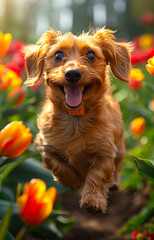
{"x":14,"y":138}
{"x":5,"y":41}
{"x":150,"y":69}
{"x":36,"y":203}
{"x":51,"y":194}
{"x":22,"y":200}
{"x":8,"y":133}
{"x":151,"y":61}
{"x":19,"y":146}
{"x":37,"y":188}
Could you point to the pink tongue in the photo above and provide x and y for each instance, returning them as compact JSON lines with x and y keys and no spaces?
{"x":73,"y":96}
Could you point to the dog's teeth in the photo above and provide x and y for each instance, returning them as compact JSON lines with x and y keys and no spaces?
{"x":65,"y":89}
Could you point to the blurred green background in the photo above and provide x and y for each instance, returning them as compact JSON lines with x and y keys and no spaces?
{"x":28,"y":19}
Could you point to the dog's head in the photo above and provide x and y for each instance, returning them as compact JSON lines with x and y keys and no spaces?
{"x":75,"y":67}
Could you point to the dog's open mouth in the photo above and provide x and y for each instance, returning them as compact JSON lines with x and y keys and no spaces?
{"x":74,"y":94}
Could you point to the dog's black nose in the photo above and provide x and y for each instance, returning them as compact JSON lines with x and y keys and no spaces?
{"x":73,"y":75}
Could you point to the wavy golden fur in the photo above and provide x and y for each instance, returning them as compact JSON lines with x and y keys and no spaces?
{"x":81,"y":151}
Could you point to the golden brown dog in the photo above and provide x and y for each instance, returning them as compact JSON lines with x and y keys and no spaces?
{"x":80,"y":127}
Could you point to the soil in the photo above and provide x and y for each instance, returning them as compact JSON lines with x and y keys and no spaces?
{"x":121,"y":206}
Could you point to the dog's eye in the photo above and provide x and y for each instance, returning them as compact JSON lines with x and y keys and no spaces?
{"x":58,"y":56}
{"x":91,"y":56}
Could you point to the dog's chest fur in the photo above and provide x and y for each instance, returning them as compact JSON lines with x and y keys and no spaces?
{"x":78,"y":139}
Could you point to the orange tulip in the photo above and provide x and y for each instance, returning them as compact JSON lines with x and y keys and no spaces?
{"x":150,"y":66}
{"x":9,"y":79}
{"x":2,"y":68}
{"x":137,"y":126}
{"x":136,"y":79}
{"x":14,"y":139}
{"x":151,"y":105}
{"x":36,"y":203}
{"x":5,"y":41}
{"x":19,"y":93}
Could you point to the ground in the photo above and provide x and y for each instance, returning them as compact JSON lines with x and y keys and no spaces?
{"x":121,"y":206}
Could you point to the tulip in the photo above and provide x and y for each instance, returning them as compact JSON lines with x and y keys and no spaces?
{"x":144,"y":232}
{"x":150,"y":66}
{"x":19,"y":93}
{"x":14,"y":139}
{"x":147,"y":18}
{"x":136,"y":79}
{"x":134,"y":235}
{"x":146,"y":41}
{"x":151,"y":105}
{"x":13,"y":66}
{"x":9,"y":79}
{"x":141,"y":55}
{"x":15,"y":46}
{"x":2,"y":69}
{"x":36,"y":203}
{"x":137,"y":126}
{"x":5,"y":41}
{"x":19,"y":58}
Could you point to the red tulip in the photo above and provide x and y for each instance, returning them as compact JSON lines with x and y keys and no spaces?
{"x":18,"y":92}
{"x":15,"y":46}
{"x":14,"y":67}
{"x":147,"y":18}
{"x":36,"y":203}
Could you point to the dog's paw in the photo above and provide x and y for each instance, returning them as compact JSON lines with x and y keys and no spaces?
{"x":114,"y":188}
{"x":93,"y":203}
{"x":92,"y":209}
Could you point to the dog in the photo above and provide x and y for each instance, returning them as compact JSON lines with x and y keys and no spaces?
{"x":81,"y":135}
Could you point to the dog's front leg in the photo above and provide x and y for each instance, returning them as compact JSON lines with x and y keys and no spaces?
{"x":55,"y":160}
{"x":64,"y":173}
{"x":96,"y":186}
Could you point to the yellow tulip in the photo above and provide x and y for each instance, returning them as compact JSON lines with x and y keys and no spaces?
{"x":136,"y":79}
{"x":36,"y":203}
{"x":5,"y":41}
{"x":14,"y":139}
{"x":10,"y":78}
{"x":150,"y":66}
{"x":146,"y":40}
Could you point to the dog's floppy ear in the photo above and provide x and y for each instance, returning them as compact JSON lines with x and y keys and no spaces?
{"x":35,"y":56}
{"x":117,"y":54}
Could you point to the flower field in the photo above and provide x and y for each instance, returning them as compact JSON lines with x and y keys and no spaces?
{"x":25,"y":203}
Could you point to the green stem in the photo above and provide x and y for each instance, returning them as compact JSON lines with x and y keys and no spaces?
{"x":21,"y":234}
{"x":6,"y":169}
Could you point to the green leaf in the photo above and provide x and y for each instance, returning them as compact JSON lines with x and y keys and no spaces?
{"x":8,"y":236}
{"x":145,"y":167}
{"x":48,"y":230}
{"x":6,"y":169}
{"x":64,"y":224}
{"x":138,"y":220}
{"x":5,"y":222}
{"x":56,"y":212}
{"x":33,"y":168}
{"x":15,"y":223}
